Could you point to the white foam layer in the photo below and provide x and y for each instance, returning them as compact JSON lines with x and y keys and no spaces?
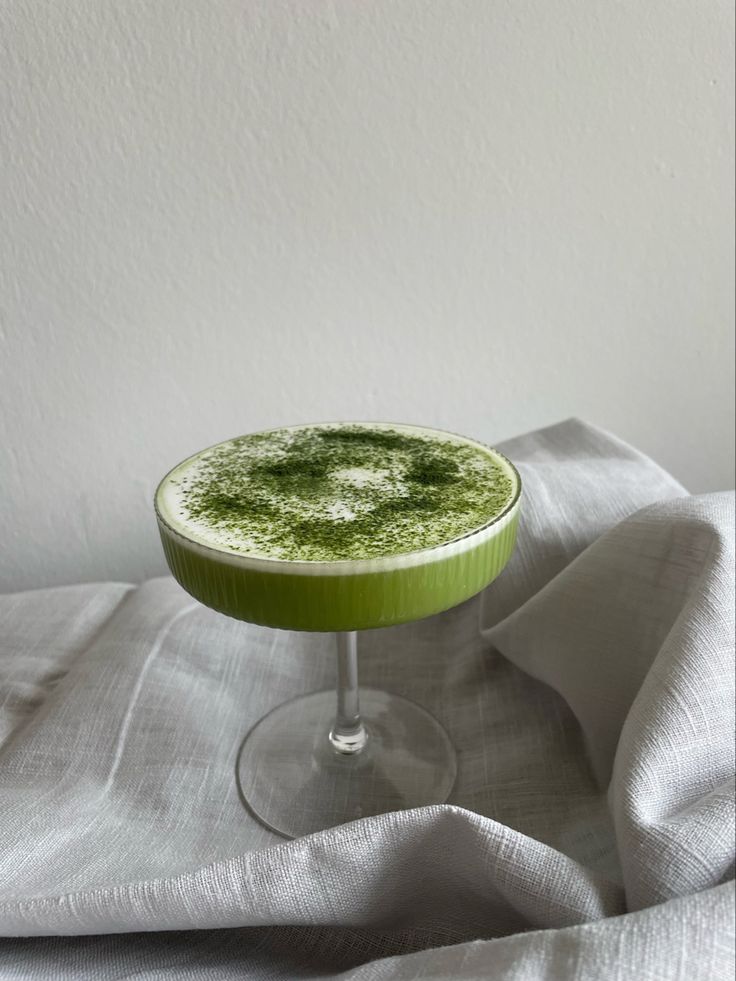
{"x":353,"y":567}
{"x":201,"y":537}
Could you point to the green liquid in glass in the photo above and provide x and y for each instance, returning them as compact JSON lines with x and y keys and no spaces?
{"x":339,"y":526}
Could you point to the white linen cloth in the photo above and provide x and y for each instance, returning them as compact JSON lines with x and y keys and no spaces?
{"x":589,"y":694}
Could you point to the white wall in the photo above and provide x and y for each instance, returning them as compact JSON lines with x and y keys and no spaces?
{"x":224,"y":216}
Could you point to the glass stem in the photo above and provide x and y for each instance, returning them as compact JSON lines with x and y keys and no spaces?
{"x":348,"y":735}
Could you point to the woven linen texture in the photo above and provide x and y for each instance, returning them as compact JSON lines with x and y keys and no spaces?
{"x":589,"y":694}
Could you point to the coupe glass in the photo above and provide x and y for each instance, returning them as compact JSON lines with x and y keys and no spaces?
{"x":333,"y":756}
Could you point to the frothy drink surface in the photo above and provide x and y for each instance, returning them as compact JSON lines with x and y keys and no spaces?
{"x":336,"y":492}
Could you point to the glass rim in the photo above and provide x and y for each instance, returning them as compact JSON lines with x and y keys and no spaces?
{"x":369,"y":564}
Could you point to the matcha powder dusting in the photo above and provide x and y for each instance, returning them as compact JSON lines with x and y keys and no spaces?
{"x":335,"y":492}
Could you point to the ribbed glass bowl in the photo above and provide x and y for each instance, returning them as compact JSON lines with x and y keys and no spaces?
{"x":344,"y":595}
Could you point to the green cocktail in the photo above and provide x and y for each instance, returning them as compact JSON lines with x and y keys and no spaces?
{"x":339,"y":527}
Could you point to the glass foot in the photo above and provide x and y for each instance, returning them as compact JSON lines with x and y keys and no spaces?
{"x":291,"y":777}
